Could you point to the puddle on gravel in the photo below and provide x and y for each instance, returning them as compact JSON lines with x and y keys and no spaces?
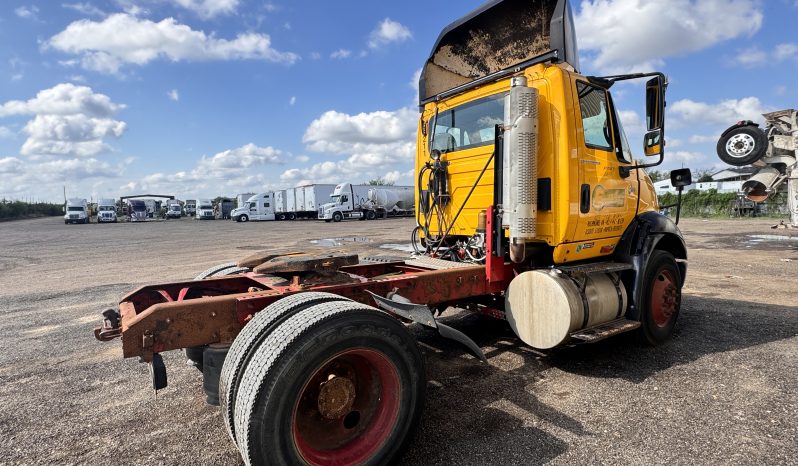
{"x":407,"y":247}
{"x":332,"y":242}
{"x":772,"y":242}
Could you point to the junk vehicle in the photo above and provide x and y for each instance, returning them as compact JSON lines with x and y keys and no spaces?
{"x":174,"y":209}
{"x":191,"y":207}
{"x":76,"y":211}
{"x":773,"y":151}
{"x":396,"y":201}
{"x":136,"y":210}
{"x":106,"y":211}
{"x":346,"y":202}
{"x":531,"y":209}
{"x":205,"y":210}
{"x":257,"y":207}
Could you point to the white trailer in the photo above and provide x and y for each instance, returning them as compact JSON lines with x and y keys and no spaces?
{"x":258,"y":207}
{"x":280,"y":210}
{"x":290,"y":204}
{"x":311,"y":198}
{"x":243,"y":198}
{"x":106,"y":211}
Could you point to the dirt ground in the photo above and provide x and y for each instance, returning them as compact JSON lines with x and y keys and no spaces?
{"x":722,"y":391}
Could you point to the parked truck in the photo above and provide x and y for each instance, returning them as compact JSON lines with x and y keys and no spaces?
{"x":135,"y":210}
{"x":191,"y":207}
{"x":106,"y":211}
{"x":346,"y":202}
{"x":205,"y":210}
{"x":173,"y":209}
{"x":257,"y":207}
{"x":280,"y":206}
{"x":531,"y":210}
{"x":76,"y":210}
{"x":224,"y":207}
{"x":394,"y":201}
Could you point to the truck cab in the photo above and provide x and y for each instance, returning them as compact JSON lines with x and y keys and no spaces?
{"x":191,"y":207}
{"x":136,"y":210}
{"x":76,"y":211}
{"x":345,"y":203}
{"x":257,"y":207}
{"x":205,"y":210}
{"x":106,"y":211}
{"x":174,"y":210}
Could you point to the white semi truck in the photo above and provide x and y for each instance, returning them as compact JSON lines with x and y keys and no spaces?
{"x":367,"y":202}
{"x":174,"y":209}
{"x":346,"y":202}
{"x":191,"y":207}
{"x":106,"y":211}
{"x":76,"y":211}
{"x":205,"y":210}
{"x":258,"y":207}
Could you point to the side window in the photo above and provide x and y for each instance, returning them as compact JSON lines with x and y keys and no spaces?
{"x":468,"y":125}
{"x":266,"y":204}
{"x":344,"y":198}
{"x":595,"y":116}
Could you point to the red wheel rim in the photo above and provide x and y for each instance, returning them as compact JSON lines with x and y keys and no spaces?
{"x":664,"y":297}
{"x":347,"y":408}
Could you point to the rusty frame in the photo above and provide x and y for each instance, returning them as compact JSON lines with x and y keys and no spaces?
{"x":170,"y":316}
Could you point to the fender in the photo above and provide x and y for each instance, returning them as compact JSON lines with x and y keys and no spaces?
{"x":649,"y":232}
{"x":737,"y":125}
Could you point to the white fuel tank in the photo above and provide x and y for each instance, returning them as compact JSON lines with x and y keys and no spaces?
{"x":544,"y":307}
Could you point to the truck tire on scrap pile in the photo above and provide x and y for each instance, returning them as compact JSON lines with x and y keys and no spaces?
{"x":336,"y":383}
{"x":660,"y":298}
{"x":742,"y":145}
{"x":214,"y":270}
{"x":250,"y":338}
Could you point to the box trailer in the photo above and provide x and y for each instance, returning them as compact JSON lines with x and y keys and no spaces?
{"x":312,"y":197}
{"x":290,"y":204}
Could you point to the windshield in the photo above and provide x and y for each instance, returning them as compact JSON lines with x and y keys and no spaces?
{"x":468,"y":125}
{"x":139,"y":207}
{"x":106,"y":208}
{"x":75,"y":209}
{"x":205,"y":206}
{"x":175,"y":208}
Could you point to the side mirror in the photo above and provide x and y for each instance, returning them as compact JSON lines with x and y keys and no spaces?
{"x":652,"y":142}
{"x":681,"y":178}
{"x":655,"y":103}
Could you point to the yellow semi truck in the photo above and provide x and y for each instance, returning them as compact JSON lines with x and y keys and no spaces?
{"x":531,"y":208}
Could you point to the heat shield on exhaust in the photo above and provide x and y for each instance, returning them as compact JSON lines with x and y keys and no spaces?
{"x":497,"y":36}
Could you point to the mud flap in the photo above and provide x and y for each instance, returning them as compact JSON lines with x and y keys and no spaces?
{"x":421,"y":314}
{"x":158,"y":372}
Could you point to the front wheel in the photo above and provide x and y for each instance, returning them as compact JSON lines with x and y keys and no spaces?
{"x":337,"y":217}
{"x":244,"y":218}
{"x":337,"y":383}
{"x":661,"y":298}
{"x":742,"y":145}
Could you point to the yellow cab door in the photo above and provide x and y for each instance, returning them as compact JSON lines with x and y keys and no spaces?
{"x":607,"y":199}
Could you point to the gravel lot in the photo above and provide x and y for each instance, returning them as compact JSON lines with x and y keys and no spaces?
{"x":723,"y":390}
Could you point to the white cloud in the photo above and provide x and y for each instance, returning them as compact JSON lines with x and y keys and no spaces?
{"x":302,"y":158}
{"x":27,"y":12}
{"x":68,"y":120}
{"x":315,"y":56}
{"x":724,"y":113}
{"x":17,"y":76}
{"x":224,"y":172}
{"x":102,"y":48}
{"x":10,"y":165}
{"x":6,"y":133}
{"x":209,"y":8}
{"x":388,"y":31}
{"x":631,"y":121}
{"x":292,"y":100}
{"x":702,"y":139}
{"x":84,"y":8}
{"x":341,"y":54}
{"x":787,"y":51}
{"x":685,"y":156}
{"x":752,"y":56}
{"x":630,"y":34}
{"x":173,"y":95}
{"x":374,"y":144}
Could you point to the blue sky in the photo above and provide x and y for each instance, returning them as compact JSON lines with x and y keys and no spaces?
{"x":216,"y":97}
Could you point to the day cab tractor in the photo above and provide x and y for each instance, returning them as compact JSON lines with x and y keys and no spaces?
{"x":531,"y":209}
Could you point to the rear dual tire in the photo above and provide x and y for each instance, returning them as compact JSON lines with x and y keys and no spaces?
{"x":335,"y":382}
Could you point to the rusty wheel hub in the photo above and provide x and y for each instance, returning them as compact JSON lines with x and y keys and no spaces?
{"x":336,"y":397}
